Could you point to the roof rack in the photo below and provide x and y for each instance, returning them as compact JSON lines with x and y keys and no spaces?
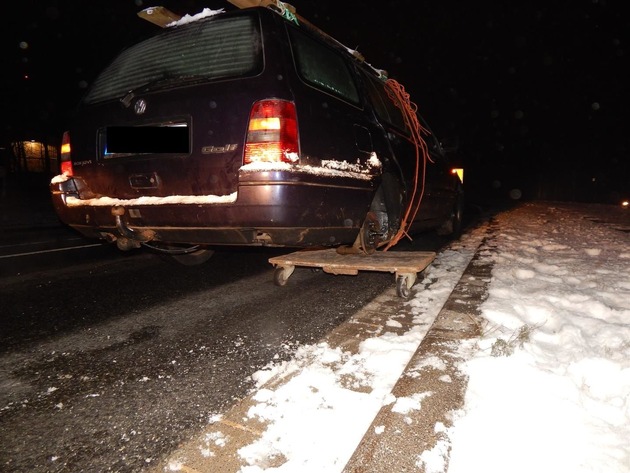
{"x":262,"y":3}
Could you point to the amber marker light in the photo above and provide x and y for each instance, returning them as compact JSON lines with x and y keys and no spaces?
{"x":459,"y":172}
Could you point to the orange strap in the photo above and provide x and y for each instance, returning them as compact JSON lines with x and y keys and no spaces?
{"x":401,"y":99}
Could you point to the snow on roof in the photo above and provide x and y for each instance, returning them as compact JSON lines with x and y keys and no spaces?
{"x":206,"y":12}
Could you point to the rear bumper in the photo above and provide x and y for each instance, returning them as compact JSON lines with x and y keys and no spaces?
{"x":280,"y":212}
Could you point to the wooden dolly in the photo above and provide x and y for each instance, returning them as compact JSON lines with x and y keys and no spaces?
{"x":405,"y":264}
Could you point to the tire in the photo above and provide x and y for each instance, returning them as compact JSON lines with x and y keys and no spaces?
{"x":453,"y":225}
{"x":180,"y":254}
{"x":194,"y":258}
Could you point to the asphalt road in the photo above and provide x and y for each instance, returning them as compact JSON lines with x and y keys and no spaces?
{"x":108,"y":361}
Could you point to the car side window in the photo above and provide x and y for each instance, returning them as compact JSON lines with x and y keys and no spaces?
{"x":386,"y":110}
{"x":322,"y":67}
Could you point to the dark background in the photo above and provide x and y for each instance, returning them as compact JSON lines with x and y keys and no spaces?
{"x":535,"y":92}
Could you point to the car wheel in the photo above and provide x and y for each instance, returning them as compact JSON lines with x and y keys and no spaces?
{"x":193,"y":258}
{"x":368,"y":239}
{"x":453,"y":225}
{"x":370,"y":234}
{"x":381,"y":222}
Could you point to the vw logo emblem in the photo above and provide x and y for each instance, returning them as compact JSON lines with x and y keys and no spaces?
{"x":140,"y":107}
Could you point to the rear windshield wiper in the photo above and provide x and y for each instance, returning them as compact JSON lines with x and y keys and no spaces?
{"x":160,"y":81}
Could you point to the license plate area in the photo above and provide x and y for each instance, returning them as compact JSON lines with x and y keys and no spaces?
{"x":118,"y":141}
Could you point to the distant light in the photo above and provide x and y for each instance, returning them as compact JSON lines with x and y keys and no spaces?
{"x":26,"y":77}
{"x":459,"y":172}
{"x":625,"y":204}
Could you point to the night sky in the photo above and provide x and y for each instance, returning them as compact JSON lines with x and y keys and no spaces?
{"x":534,"y":91}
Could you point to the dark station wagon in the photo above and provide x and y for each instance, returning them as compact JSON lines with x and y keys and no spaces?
{"x":250,"y":127}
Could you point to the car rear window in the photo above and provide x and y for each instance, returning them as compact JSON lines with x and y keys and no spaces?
{"x":217,"y":48}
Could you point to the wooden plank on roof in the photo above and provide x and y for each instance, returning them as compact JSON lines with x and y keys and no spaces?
{"x":260,"y":3}
{"x":160,"y":16}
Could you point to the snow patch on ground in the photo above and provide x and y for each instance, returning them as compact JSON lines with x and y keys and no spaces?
{"x":560,"y":386}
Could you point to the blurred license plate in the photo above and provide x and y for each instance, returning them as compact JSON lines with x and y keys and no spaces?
{"x":146,"y":139}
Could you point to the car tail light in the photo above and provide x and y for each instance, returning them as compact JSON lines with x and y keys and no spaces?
{"x":272,"y":135}
{"x":66,"y":162}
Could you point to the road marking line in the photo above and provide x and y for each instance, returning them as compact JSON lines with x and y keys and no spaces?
{"x":51,"y":251}
{"x":43,"y":242}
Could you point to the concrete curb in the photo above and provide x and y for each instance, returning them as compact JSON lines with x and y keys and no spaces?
{"x":395,"y":441}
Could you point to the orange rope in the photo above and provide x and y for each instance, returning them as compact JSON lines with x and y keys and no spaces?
{"x":401,"y":99}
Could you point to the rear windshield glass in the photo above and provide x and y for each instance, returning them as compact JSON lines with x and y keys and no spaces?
{"x":218,"y":48}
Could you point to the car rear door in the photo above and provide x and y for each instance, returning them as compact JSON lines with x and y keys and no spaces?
{"x":333,"y":123}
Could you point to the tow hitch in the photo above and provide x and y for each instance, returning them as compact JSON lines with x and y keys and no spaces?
{"x":130,"y":238}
